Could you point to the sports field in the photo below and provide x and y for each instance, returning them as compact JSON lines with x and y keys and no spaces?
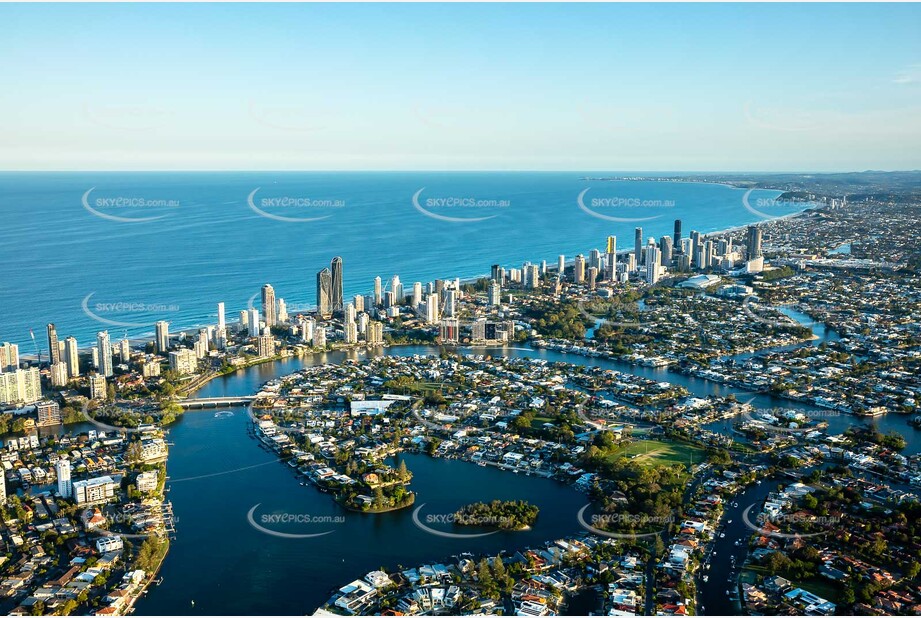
{"x":661,"y":452}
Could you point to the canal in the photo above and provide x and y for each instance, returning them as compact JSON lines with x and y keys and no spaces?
{"x":231,"y":497}
{"x":219,"y":473}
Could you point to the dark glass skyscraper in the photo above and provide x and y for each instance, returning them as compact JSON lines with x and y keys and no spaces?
{"x":336,"y":296}
{"x":638,"y":239}
{"x":754,"y":242}
{"x":677,"y":236}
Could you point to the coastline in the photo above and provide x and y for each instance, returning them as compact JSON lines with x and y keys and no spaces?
{"x":141,"y":340}
{"x":663,"y":179}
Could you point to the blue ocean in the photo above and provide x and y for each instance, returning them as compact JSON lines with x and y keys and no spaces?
{"x":119,"y":251}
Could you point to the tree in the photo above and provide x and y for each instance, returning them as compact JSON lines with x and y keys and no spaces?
{"x":487,"y":583}
{"x":498,"y":568}
{"x":659,"y":546}
{"x":134,"y":452}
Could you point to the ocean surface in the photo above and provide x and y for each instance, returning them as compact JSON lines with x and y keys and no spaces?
{"x":119,"y":251}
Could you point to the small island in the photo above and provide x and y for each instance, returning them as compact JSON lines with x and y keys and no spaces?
{"x":501,"y":514}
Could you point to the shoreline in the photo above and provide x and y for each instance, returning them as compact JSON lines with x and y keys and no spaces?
{"x":464,"y":279}
{"x":389,"y":509}
{"x":662,"y":179}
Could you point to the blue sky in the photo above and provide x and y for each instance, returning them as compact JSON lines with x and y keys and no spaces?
{"x":718,"y":87}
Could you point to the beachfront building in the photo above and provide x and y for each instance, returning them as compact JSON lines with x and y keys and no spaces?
{"x":21,"y":386}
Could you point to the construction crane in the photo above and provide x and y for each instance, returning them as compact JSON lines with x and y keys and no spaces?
{"x":38,"y":352}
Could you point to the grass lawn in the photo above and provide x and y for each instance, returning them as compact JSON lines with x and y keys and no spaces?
{"x":822,"y":587}
{"x":539,"y":421}
{"x":661,"y":452}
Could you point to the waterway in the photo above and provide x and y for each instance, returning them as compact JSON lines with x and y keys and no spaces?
{"x":218,"y":474}
{"x":714,"y":595}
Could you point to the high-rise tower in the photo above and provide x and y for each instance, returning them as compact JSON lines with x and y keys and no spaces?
{"x":104,"y":344}
{"x":324,"y":292}
{"x":162,"y":336}
{"x":54,"y":350}
{"x":336,"y":300}
{"x":269,"y":310}
{"x":638,"y":245}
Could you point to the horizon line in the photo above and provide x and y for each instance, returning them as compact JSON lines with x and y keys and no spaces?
{"x":457,"y":171}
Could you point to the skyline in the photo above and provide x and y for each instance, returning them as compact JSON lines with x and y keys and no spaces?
{"x":820,"y":88}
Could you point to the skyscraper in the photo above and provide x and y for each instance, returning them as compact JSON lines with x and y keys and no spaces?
{"x":336,"y":298}
{"x":71,"y":357}
{"x":578,"y":270}
{"x":65,"y":486}
{"x":695,"y":245}
{"x":653,"y":262}
{"x":349,"y":313}
{"x":282,"y":311}
{"x":162,"y":337}
{"x":665,"y":244}
{"x":253,"y":322}
{"x":611,"y":265}
{"x":324,"y":292}
{"x":594,"y":258}
{"x":9,"y":356}
{"x":754,"y":242}
{"x":54,"y":350}
{"x":269,"y":310}
{"x":397,"y":288}
{"x":432,"y":309}
{"x":105,"y":353}
{"x":124,"y":350}
{"x":220,"y":334}
{"x":677,"y":239}
{"x":638,"y":245}
{"x":494,"y":294}
{"x":377,"y":292}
